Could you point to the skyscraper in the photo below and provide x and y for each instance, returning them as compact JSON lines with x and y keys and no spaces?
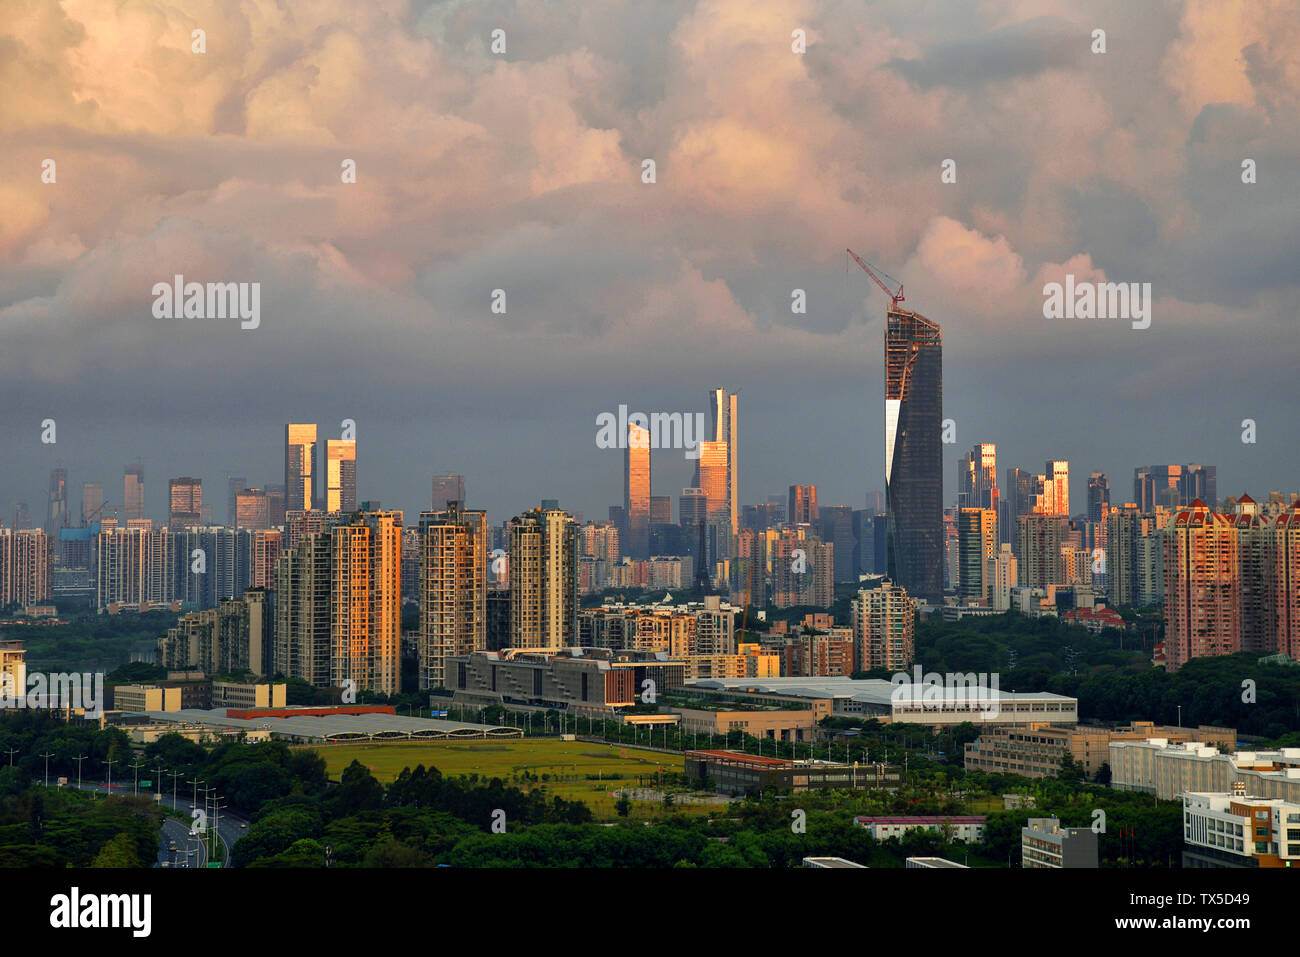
{"x":299,"y":456}
{"x":914,"y":453}
{"x":726,"y":430}
{"x":976,"y":543}
{"x":543,"y":580}
{"x":340,"y":475}
{"x":56,"y":515}
{"x":252,"y":509}
{"x":185,"y":502}
{"x":802,"y":507}
{"x":977,"y":477}
{"x":1056,"y":487}
{"x":453,"y":589}
{"x":133,"y":493}
{"x":1098,"y":496}
{"x":448,"y":487}
{"x":712,"y":470}
{"x":234,"y":486}
{"x":636,"y":491}
{"x":92,"y":501}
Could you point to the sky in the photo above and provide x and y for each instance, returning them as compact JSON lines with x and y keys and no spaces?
{"x":523,"y":170}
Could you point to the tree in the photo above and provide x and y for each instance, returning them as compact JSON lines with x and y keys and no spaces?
{"x":118,"y":852}
{"x":623,"y":806}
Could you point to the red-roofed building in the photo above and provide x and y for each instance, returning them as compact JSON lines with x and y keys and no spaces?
{"x":1095,"y":619}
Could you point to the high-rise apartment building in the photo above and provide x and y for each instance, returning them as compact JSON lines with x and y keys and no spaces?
{"x":914,"y":453}
{"x":453,"y":589}
{"x":133,"y":493}
{"x":299,"y":459}
{"x":185,"y":502}
{"x":92,"y":502}
{"x":1122,"y":565}
{"x":1000,"y":576}
{"x":302,"y":610}
{"x":24,"y":566}
{"x":543,"y":580}
{"x":884,"y":625}
{"x":636,"y":491}
{"x":448,"y":487}
{"x":366,"y":600}
{"x":1038,"y":549}
{"x":1202,"y":586}
{"x":977,"y":535}
{"x":802,"y":567}
{"x":341,"y":475}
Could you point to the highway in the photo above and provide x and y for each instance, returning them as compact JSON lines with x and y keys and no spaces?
{"x":232,"y":827}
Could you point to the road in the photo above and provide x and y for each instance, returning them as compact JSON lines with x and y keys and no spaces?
{"x":231,"y":827}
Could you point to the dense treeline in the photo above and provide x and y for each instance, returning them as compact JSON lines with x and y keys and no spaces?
{"x":1114,"y":684}
{"x":42,"y":827}
{"x":90,"y":642}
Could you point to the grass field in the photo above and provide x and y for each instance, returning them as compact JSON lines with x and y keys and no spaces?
{"x":566,"y":765}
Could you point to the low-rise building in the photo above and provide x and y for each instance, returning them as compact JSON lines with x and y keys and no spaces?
{"x":231,"y":694}
{"x":933,"y":862}
{"x":732,"y":772}
{"x":1045,"y":844}
{"x":1039,"y":749}
{"x":1167,"y":770}
{"x":964,"y":827}
{"x":1236,"y":830}
{"x":140,"y":698}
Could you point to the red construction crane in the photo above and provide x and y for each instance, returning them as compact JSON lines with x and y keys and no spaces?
{"x":897,"y":297}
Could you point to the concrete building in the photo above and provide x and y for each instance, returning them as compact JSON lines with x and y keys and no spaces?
{"x":1045,"y":844}
{"x":366,"y":603}
{"x":964,"y":827}
{"x":1233,"y":829}
{"x":884,"y":628}
{"x":544,"y":580}
{"x":879,"y":699}
{"x":932,"y":863}
{"x":232,"y":694}
{"x":1039,"y":750}
{"x":578,"y":684}
{"x":185,"y":502}
{"x":1000,"y":575}
{"x":141,"y":698}
{"x":1160,"y":767}
{"x":452,"y":589}
{"x":732,"y":772}
{"x":773,"y":724}
{"x":24,"y":566}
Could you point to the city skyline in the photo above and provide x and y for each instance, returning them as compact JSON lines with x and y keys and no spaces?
{"x":617,"y":290}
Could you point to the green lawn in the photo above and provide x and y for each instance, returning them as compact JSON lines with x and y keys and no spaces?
{"x":565,"y":765}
